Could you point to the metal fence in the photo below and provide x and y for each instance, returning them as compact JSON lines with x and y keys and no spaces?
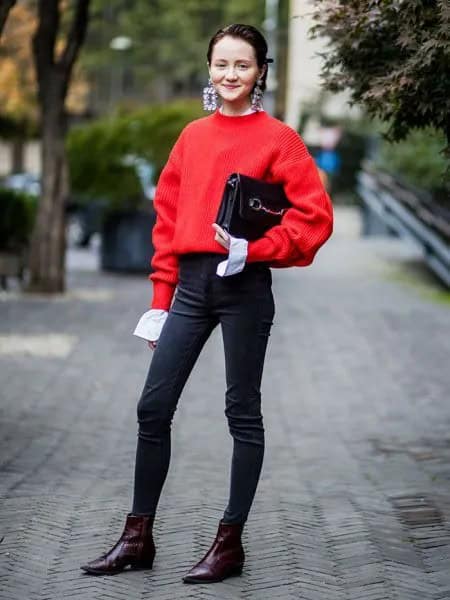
{"x":411,"y":216}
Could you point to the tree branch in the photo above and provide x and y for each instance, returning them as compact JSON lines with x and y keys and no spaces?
{"x":76,"y":35}
{"x":45,"y":37}
{"x":5,"y":7}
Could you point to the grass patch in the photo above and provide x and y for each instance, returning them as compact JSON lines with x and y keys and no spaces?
{"x":416,"y":275}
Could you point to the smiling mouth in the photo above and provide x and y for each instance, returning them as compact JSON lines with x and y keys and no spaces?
{"x":230,"y":87}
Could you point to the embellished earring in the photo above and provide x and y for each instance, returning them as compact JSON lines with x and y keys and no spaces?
{"x":257,"y":96}
{"x":209,"y":96}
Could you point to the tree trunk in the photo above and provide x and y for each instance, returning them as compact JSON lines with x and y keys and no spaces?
{"x":5,"y":7}
{"x":47,"y":253}
{"x":48,"y":244}
{"x":17,"y":145}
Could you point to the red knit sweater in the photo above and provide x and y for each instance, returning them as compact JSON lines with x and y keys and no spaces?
{"x":191,"y":184}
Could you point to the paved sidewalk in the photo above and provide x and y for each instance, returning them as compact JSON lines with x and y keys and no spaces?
{"x":354,"y":499}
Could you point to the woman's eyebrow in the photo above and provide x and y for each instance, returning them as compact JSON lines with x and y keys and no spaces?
{"x":247,"y":60}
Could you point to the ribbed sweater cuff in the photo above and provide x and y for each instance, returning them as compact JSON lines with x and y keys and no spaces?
{"x":260,"y":250}
{"x":162,"y":294}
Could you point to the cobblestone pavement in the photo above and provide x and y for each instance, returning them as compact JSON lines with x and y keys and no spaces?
{"x":354,"y":499}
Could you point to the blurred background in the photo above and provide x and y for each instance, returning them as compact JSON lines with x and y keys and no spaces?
{"x":93,"y":95}
{"x":354,"y":499}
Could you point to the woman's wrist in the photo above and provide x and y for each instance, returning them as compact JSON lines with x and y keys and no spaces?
{"x":150,"y":324}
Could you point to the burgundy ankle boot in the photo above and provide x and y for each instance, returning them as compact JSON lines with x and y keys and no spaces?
{"x":134,"y":548}
{"x":224,"y":558}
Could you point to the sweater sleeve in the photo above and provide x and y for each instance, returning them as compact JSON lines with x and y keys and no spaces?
{"x":164,"y":262}
{"x":309,"y":222}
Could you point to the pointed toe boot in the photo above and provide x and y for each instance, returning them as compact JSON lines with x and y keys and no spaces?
{"x":224,"y":559}
{"x":135,"y":549}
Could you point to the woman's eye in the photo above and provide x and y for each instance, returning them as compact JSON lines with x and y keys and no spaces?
{"x":223,"y":66}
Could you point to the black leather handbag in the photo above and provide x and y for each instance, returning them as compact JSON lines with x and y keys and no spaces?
{"x":250,"y":206}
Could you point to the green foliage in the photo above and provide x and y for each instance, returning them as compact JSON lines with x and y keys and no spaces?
{"x":169,"y":40}
{"x":18,"y":212}
{"x":97,"y":151}
{"x":95,"y":154}
{"x":153,"y":130}
{"x":418,"y":159}
{"x":394,"y":56}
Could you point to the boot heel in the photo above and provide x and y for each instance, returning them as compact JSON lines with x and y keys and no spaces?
{"x":237,"y":570}
{"x":141,"y":565}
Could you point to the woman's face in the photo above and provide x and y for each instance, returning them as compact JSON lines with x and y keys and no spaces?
{"x":234,"y":71}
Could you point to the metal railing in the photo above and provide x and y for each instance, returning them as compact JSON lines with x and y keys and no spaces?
{"x":404,"y":213}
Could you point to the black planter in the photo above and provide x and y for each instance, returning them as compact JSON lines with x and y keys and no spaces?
{"x":127,"y":242}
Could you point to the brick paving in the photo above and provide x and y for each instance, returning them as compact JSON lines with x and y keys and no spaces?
{"x":354,"y":498}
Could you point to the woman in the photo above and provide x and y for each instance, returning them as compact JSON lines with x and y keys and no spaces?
{"x":219,"y":279}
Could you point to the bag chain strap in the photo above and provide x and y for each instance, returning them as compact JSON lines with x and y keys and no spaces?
{"x":256,"y":204}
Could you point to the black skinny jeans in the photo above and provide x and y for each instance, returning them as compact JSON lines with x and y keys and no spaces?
{"x":243,"y":305}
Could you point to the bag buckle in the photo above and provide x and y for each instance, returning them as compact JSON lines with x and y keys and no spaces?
{"x":256,"y":204}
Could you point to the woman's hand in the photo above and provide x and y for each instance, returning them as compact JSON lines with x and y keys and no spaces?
{"x":237,"y":252}
{"x":221,"y":236}
{"x":150,"y":325}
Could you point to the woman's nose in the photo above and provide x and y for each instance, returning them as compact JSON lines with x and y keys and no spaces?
{"x":231,"y":73}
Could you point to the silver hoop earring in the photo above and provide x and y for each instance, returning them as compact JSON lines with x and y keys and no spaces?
{"x":209,"y":96}
{"x":257,"y":96}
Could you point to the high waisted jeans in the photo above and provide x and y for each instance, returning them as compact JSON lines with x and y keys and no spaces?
{"x":243,"y":305}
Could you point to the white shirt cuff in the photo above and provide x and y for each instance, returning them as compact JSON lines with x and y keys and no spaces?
{"x":150,"y":324}
{"x":237,"y":255}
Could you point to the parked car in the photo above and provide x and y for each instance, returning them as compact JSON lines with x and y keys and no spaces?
{"x":83,"y":218}
{"x":23,"y":182}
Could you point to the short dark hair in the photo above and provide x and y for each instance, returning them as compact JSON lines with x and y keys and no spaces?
{"x":249,"y":34}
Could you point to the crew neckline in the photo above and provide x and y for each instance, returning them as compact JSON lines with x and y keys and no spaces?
{"x":250,"y":110}
{"x":232,"y":119}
